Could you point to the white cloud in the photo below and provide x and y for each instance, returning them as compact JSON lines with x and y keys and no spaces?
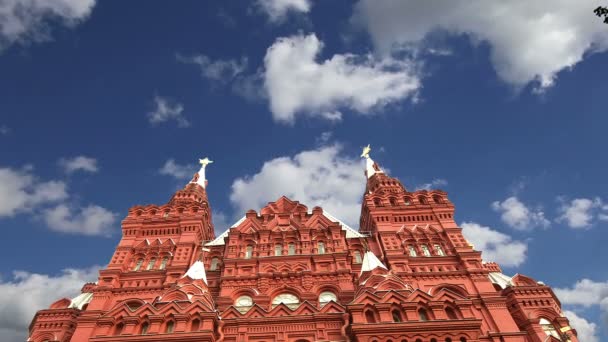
{"x":21,"y":191}
{"x":319,"y":177}
{"x":584,"y":293}
{"x":277,"y":10}
{"x":494,"y":245}
{"x":586,"y":331}
{"x":517,"y":215}
{"x":581,"y":213}
{"x":82,"y":163}
{"x":23,"y":21}
{"x":528,"y":40}
{"x":27,"y":292}
{"x":434,"y":184}
{"x":166,"y":110}
{"x":218,"y":70}
{"x":89,"y":220}
{"x":297,"y":84}
{"x":177,"y":171}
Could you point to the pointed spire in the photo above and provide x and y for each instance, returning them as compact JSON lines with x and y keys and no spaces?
{"x":197,"y":271}
{"x":371,"y":168}
{"x":370,"y":262}
{"x":199,"y":178}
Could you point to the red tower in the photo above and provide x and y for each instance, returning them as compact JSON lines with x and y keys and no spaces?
{"x":287,"y":273}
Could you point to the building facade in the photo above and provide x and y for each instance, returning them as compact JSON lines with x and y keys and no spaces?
{"x":292,"y":273}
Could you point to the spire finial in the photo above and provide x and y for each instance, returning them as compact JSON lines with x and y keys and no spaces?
{"x":199,"y":177}
{"x":366,"y":150}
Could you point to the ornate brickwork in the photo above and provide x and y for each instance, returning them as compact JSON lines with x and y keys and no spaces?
{"x":290,"y":273}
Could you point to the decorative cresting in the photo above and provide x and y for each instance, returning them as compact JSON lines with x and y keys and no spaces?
{"x":287,"y":273}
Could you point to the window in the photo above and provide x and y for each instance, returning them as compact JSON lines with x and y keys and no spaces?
{"x":422,"y":200}
{"x":425,"y":250}
{"x":144,"y":328}
{"x":119,"y":328}
{"x":169,"y":327}
{"x":437,"y":199}
{"x":392,"y":201}
{"x":278,"y":249}
{"x":412,"y":250}
{"x":138,"y":265}
{"x":248,"y":252}
{"x":369,"y":317}
{"x":326,"y":297}
{"x":548,"y":328}
{"x":196,"y":324}
{"x":358,"y":259}
{"x":423,"y":315}
{"x":439,"y":250}
{"x":291,"y":249}
{"x":396,"y":316}
{"x":151,"y":264}
{"x":214,"y":262}
{"x":163,"y":263}
{"x":288,"y":299}
{"x":243,"y":303}
{"x":320,"y":247}
{"x":450,"y":313}
{"x":407,"y":200}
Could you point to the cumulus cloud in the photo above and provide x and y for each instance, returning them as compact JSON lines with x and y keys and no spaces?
{"x":529,"y":40}
{"x":89,"y":220}
{"x":319,"y":177}
{"x":21,"y":191}
{"x":296,"y":83}
{"x":587,"y":331}
{"x":494,"y":245}
{"x":584,"y":293}
{"x":517,"y":215}
{"x":79,"y":163}
{"x":434,"y":184}
{"x":216,"y":70}
{"x":177,"y":171}
{"x":23,"y":21}
{"x":26,"y":292}
{"x":582,"y":213}
{"x":277,"y":10}
{"x":166,"y":110}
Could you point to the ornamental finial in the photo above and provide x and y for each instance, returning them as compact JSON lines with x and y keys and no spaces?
{"x":205,"y":161}
{"x":199,"y":177}
{"x":366,"y":150}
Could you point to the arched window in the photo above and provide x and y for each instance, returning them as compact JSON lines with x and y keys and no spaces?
{"x":196,"y":325}
{"x":548,"y":328}
{"x":138,"y":264}
{"x":169,"y":327}
{"x":151,"y":264}
{"x":144,"y":328}
{"x":422,"y":200}
{"x":423,"y":316}
{"x":463,"y":339}
{"x":377,"y":202}
{"x":396,"y":316}
{"x":433,"y":340}
{"x":425,"y":250}
{"x":412,"y":250}
{"x":214,"y":262}
{"x":439,"y":250}
{"x":278,"y":249}
{"x":407,"y":200}
{"x":437,"y":199}
{"x":392,"y":201}
{"x":370,"y":317}
{"x":326,"y":297}
{"x":320,"y":247}
{"x":119,"y":327}
{"x":450,"y":313}
{"x":291,"y":249}
{"x":163,"y":263}
{"x":358,"y":259}
{"x":243,"y":303}
{"x":248,"y":252}
{"x":288,"y":299}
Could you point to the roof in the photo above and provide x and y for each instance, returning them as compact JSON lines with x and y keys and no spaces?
{"x":81,"y":300}
{"x":370,"y":262}
{"x":500,"y":279}
{"x":197,"y":271}
{"x":350,"y":232}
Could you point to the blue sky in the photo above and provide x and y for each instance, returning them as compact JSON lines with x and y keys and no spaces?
{"x":108,"y":105}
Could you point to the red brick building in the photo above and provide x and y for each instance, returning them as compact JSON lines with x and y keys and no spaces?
{"x":292,"y":273}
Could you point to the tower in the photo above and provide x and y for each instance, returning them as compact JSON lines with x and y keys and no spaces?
{"x":292,"y":273}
